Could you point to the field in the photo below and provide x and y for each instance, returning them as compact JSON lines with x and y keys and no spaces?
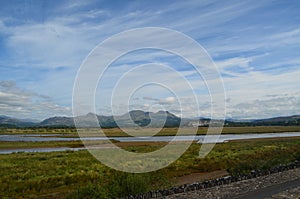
{"x":71,"y":132}
{"x":24,"y":145}
{"x":78,"y":174}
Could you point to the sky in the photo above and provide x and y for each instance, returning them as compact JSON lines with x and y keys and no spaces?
{"x":255,"y":46}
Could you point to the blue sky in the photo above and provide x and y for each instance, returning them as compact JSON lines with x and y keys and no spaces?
{"x":256,"y":47}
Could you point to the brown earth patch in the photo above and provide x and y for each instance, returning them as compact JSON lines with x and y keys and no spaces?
{"x":198,"y":177}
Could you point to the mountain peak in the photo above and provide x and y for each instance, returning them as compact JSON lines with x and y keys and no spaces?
{"x":90,"y":114}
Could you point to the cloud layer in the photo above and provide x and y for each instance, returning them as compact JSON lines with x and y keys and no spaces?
{"x":25,"y":104}
{"x":255,"y":47}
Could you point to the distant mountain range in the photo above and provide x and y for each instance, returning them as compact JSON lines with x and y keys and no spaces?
{"x":287,"y":120}
{"x":133,"y":118}
{"x":140,"y":118}
{"x":6,"y":121}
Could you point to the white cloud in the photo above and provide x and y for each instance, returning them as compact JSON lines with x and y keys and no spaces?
{"x":21,"y":104}
{"x":236,"y":61}
{"x":50,"y":44}
{"x":266,"y":108}
{"x":287,"y":36}
{"x":259,"y":95}
{"x":168,"y":100}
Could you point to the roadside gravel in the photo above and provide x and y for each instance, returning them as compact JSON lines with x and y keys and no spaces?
{"x":240,"y":188}
{"x":290,"y":193}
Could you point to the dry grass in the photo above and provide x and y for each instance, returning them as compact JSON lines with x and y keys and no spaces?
{"x":116,"y":132}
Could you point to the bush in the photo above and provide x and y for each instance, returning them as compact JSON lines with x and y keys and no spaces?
{"x":121,"y":184}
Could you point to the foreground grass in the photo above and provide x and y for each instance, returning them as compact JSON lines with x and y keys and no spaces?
{"x":79,"y":175}
{"x":37,"y":175}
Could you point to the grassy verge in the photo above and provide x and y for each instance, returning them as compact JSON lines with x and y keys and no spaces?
{"x":38,"y":131}
{"x":49,"y":144}
{"x":24,"y":145}
{"x":116,"y":132}
{"x":79,"y":175}
{"x":237,"y":130}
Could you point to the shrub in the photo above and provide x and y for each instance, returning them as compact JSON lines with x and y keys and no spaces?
{"x":120,"y":184}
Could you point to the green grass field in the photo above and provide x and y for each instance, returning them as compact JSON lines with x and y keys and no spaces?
{"x":79,"y":175}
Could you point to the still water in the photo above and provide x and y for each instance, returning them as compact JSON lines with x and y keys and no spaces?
{"x":198,"y":138}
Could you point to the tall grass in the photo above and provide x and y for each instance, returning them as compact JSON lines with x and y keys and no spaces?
{"x":120,"y":184}
{"x":78,"y":175}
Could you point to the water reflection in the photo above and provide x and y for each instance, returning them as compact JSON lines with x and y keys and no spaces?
{"x":32,"y":150}
{"x":198,"y":138}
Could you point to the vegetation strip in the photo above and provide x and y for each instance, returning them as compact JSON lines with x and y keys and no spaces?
{"x":79,"y":175}
{"x":116,"y":132}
